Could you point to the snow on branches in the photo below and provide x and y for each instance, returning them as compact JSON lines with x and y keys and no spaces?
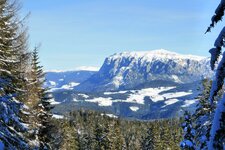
{"x":219,"y":12}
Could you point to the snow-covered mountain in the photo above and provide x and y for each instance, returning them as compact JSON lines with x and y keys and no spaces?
{"x":136,"y":70}
{"x":142,"y":85}
{"x":59,"y":80}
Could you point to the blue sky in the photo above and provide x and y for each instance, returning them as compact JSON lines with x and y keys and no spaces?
{"x":83,"y":32}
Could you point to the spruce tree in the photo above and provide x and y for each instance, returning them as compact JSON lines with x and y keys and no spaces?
{"x":41,"y":104}
{"x":12,"y":45}
{"x":175,"y":133}
{"x":217,"y":134}
{"x":189,"y":133}
{"x":100,"y":140}
{"x":148,"y":141}
{"x":115,"y":136}
{"x":71,"y":136}
{"x":202,"y":117}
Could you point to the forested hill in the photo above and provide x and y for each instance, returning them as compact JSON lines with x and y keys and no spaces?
{"x":91,"y":130}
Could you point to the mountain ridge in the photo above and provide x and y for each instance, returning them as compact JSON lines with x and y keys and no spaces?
{"x":157,"y":52}
{"x":128,"y":70}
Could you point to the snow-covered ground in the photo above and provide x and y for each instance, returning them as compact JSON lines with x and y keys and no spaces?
{"x":84,"y":96}
{"x":119,"y":92}
{"x":110,"y":115}
{"x":53,"y":102}
{"x":58,"y":116}
{"x":137,"y":97}
{"x":171,"y":101}
{"x":189,"y":102}
{"x":101,"y":101}
{"x":147,"y":103}
{"x":153,"y":54}
{"x":69,"y":86}
{"x":134,"y":108}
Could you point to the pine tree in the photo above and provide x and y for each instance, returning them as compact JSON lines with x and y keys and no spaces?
{"x":41,"y":104}
{"x":148,"y":142}
{"x":202,"y":117}
{"x":85,"y":140}
{"x":175,"y":133}
{"x":217,"y":134}
{"x":189,"y":133}
{"x":115,"y":136}
{"x":12,"y":45}
{"x":100,"y":140}
{"x":71,"y":136}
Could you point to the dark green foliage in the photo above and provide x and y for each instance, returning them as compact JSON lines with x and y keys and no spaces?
{"x":219,"y":137}
{"x":41,"y":104}
{"x":202,"y":117}
{"x":217,"y":134}
{"x":94,"y":131}
{"x":189,"y":133}
{"x":201,"y":121}
{"x":12,"y":76}
{"x":148,"y":142}
{"x":100,"y":137}
{"x":219,"y":12}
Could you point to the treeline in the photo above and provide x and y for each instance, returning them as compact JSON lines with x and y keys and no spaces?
{"x":89,"y":130}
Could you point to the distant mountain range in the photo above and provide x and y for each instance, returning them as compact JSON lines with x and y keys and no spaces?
{"x":59,"y":80}
{"x":143,"y":85}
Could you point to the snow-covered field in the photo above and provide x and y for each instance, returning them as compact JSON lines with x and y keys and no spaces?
{"x":146,"y":103}
{"x":110,"y":115}
{"x":134,"y":108}
{"x":101,"y":101}
{"x":53,"y":102}
{"x":138,"y":96}
{"x":58,"y":116}
{"x":69,"y":86}
{"x":189,"y":102}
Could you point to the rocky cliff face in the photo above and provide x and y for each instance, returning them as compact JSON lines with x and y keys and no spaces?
{"x":130,"y":70}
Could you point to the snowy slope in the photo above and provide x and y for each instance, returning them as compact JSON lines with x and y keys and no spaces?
{"x":67,"y":80}
{"x":146,"y":103}
{"x":129,"y":70}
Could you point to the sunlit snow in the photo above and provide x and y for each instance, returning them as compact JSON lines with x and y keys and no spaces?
{"x":110,"y":115}
{"x":171,"y":101}
{"x":53,"y":102}
{"x":189,"y":102}
{"x":119,"y":92}
{"x":57,"y":116}
{"x":101,"y":101}
{"x":69,"y":86}
{"x":52,"y":83}
{"x":134,"y":108}
{"x":137,"y":97}
{"x":84,"y":95}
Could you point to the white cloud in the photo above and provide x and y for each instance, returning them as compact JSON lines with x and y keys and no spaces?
{"x":81,"y":68}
